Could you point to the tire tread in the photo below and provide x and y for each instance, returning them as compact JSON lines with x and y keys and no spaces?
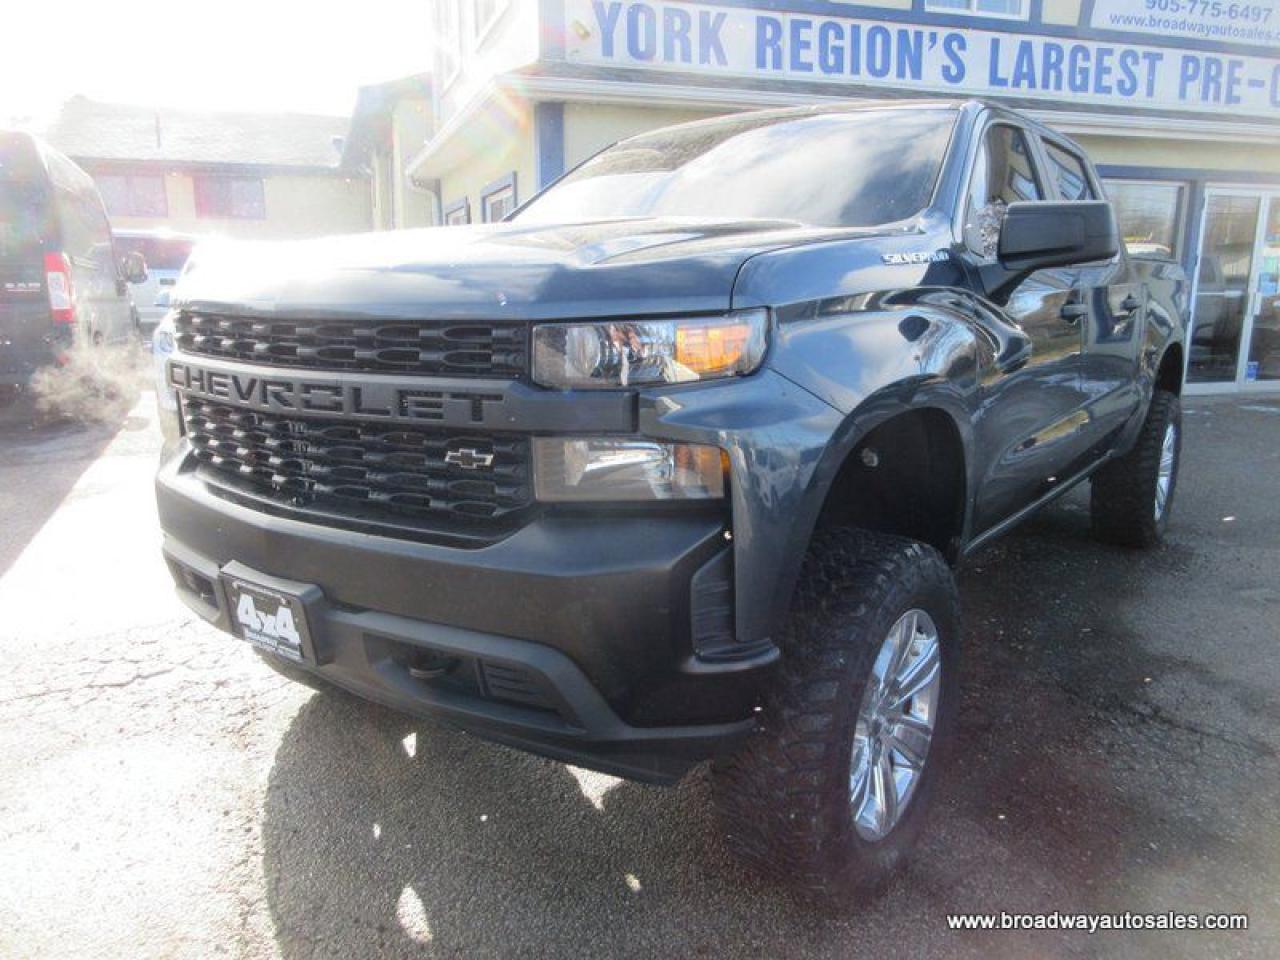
{"x":775,"y":797}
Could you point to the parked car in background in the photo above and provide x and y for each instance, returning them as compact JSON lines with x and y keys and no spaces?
{"x":61,"y":280}
{"x":165,"y":253}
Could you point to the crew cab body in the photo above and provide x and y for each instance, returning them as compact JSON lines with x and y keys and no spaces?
{"x":359,"y":426}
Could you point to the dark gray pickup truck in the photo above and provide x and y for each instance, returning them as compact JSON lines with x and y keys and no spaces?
{"x":675,"y":463}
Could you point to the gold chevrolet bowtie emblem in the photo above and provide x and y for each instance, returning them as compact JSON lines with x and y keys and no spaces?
{"x":469,"y":459}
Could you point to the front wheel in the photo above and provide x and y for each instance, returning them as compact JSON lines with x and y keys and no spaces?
{"x":1131,"y":497}
{"x":832,"y":791}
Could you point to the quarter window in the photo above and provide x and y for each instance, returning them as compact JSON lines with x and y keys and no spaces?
{"x":1002,"y":174}
{"x":457,"y":214}
{"x":498,"y":200}
{"x":1068,"y":171}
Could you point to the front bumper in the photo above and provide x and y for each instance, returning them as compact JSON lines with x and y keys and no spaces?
{"x":570,"y":638}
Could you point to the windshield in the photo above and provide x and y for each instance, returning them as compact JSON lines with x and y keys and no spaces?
{"x":855,"y":169}
{"x":26,"y":219}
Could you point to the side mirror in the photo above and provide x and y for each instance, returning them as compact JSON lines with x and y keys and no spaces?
{"x":134,"y":267}
{"x":1036,"y":236}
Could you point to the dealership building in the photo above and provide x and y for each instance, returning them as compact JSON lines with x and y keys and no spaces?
{"x":1177,"y":101}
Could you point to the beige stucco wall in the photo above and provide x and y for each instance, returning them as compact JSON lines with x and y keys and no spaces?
{"x":493,"y":144}
{"x":1063,"y":12}
{"x":296,"y":206}
{"x":590,"y":127}
{"x":410,"y":128}
{"x":1182,"y":154}
{"x":381,"y":187}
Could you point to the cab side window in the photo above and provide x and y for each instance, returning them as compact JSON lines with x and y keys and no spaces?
{"x":1003,"y":173}
{"x":1068,"y":172}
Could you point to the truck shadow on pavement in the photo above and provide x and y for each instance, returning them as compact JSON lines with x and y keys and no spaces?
{"x":1074,"y":789}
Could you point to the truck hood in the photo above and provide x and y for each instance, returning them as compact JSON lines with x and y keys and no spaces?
{"x":613,"y":267}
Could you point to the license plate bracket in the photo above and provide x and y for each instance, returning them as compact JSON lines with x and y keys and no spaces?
{"x":270,"y":613}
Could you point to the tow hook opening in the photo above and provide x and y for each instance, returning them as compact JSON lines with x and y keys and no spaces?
{"x":428,"y":665}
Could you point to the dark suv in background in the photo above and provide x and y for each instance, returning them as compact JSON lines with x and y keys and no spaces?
{"x":61,"y":280}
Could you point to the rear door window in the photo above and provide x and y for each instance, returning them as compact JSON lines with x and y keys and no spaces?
{"x":1068,"y":173}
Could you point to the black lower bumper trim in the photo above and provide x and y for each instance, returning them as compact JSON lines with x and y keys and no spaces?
{"x":517,"y":692}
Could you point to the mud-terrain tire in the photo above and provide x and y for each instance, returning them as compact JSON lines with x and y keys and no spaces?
{"x":1125,"y":502}
{"x":785,"y":801}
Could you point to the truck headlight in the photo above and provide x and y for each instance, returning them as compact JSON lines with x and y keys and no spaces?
{"x":162,"y":347}
{"x":640,"y":353}
{"x":612,"y":469}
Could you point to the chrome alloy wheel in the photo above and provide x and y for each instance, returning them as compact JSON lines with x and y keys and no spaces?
{"x":895,"y":724}
{"x":1164,"y":477}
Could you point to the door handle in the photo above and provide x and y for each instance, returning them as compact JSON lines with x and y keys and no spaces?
{"x":1072,"y":312}
{"x":1130,"y":303}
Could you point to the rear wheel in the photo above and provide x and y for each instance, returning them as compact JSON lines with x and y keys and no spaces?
{"x":1131,"y":497}
{"x":833,"y":790}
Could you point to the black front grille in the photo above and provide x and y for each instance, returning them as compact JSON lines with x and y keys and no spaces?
{"x":388,"y":477}
{"x":436,"y":347}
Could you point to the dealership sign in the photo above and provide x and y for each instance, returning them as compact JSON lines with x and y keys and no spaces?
{"x":1254,"y":23}
{"x":758,"y":43}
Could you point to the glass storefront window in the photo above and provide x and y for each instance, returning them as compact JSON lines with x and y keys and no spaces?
{"x":1222,"y":289}
{"x":1149,"y":214}
{"x":1264,"y":348}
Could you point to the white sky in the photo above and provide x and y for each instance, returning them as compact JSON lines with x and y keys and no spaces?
{"x":269,"y":55}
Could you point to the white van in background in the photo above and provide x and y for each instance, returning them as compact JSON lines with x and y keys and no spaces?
{"x":165,"y":253}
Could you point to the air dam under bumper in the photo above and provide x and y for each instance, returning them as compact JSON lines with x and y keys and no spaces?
{"x":569,"y":638}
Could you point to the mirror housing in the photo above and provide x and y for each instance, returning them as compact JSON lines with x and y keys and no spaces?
{"x":1036,"y":236}
{"x":134,"y":267}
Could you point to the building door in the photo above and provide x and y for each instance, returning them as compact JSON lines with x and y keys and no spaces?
{"x":1235,"y":327}
{"x":1262,"y":363}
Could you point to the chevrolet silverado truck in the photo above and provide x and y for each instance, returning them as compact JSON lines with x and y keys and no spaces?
{"x":675,"y":463}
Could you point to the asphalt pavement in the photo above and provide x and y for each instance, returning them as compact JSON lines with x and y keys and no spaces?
{"x":163,"y":794}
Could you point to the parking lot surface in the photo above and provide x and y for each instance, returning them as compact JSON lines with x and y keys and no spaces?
{"x":164,"y":794}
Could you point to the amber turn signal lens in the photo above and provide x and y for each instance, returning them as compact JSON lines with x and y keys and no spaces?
{"x":711,"y":351}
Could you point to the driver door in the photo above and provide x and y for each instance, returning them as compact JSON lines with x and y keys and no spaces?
{"x":1031,"y":426}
